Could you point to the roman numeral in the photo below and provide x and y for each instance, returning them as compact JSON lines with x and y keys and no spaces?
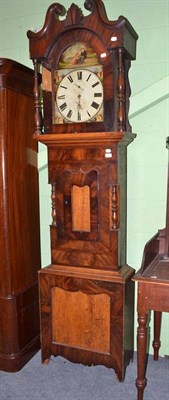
{"x":70,"y":78}
{"x":63,"y":106}
{"x":97,"y":94}
{"x":69,"y":114}
{"x":64,"y":87}
{"x":88,"y":114}
{"x":79,"y":116}
{"x":95,"y":84}
{"x":88,"y":78}
{"x":79,"y":75}
{"x":95,"y":105}
{"x":61,"y":97}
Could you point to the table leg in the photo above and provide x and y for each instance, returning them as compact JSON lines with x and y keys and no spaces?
{"x":141,"y":380}
{"x":157,"y":331}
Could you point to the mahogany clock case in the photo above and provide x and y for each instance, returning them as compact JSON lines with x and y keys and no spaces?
{"x":111,"y":45}
{"x":86,"y":294}
{"x":19,"y":212}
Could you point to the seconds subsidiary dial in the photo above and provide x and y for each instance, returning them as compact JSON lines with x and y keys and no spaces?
{"x":79,"y":96}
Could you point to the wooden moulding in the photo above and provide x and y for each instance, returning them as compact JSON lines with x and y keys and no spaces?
{"x":41,"y":41}
{"x":121,"y":276}
{"x":87,"y":139}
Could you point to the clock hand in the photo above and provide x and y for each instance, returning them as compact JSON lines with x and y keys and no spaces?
{"x":79,"y":102}
{"x":79,"y":87}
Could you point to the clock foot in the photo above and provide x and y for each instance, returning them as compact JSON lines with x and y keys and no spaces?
{"x":46,"y":361}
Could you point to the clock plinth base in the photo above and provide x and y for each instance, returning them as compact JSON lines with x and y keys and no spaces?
{"x":85,"y":316}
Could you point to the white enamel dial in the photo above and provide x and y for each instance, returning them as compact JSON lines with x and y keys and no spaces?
{"x":79,"y":96}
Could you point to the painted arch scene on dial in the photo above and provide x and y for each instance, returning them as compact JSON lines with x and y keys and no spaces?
{"x":78,"y":86}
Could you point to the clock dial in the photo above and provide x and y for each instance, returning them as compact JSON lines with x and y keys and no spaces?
{"x":79,"y":97}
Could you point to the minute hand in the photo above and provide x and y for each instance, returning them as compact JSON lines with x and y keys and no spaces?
{"x":79,"y":87}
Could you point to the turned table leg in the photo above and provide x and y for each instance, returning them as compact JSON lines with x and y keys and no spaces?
{"x":141,"y":354}
{"x":157,"y":331}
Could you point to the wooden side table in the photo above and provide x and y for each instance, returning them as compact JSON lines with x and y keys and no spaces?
{"x":153,"y":294}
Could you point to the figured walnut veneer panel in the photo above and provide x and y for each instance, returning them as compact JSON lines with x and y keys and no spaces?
{"x":80,"y":197}
{"x":46,"y":80}
{"x":81,"y":320}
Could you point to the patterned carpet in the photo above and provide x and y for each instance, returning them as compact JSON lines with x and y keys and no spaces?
{"x":62,"y":380}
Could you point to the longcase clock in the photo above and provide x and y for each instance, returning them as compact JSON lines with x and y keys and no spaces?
{"x":81,"y":115}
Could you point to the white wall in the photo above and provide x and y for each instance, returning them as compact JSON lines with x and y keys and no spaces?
{"x":147,"y":156}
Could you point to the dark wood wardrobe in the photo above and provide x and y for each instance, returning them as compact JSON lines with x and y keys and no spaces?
{"x":19,"y":218}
